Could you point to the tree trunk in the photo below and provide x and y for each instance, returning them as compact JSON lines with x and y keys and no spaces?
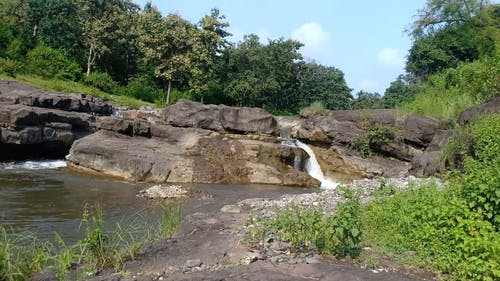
{"x":90,"y":59}
{"x":167,"y":99}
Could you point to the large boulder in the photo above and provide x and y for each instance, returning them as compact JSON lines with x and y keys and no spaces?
{"x":16,"y":93}
{"x":490,"y":106}
{"x":419,"y":130}
{"x":189,"y":155}
{"x":429,"y":163}
{"x":38,"y":123}
{"x":220,"y":118}
{"x":371,"y":116}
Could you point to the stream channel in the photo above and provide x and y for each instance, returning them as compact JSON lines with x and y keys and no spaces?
{"x":43,"y":197}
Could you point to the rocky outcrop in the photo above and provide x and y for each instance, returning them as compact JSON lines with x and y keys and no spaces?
{"x":37,"y":123}
{"x":219,"y":118}
{"x":490,"y":106}
{"x":187,"y":155}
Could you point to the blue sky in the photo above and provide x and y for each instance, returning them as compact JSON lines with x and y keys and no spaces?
{"x":364,"y":39}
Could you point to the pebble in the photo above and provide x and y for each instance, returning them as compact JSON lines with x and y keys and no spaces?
{"x":232,"y":209}
{"x":192,"y":263}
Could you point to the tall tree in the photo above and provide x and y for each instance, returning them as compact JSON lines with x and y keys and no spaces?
{"x":399,"y":91}
{"x":209,"y":42}
{"x":166,"y":43}
{"x":367,"y":100}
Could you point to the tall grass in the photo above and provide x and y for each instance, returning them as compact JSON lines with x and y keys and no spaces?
{"x":447,"y":94}
{"x":22,"y":254}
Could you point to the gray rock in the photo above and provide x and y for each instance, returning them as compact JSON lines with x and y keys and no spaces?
{"x":419,"y":130}
{"x":232,"y":209}
{"x":193,"y":263}
{"x":490,"y":106}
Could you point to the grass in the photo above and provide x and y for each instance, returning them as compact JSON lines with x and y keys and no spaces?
{"x":22,"y":254}
{"x":75,"y":87}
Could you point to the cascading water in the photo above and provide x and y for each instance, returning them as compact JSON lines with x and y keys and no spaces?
{"x":312,"y":166}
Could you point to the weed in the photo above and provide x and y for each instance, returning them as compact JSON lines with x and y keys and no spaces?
{"x":169,"y":219}
{"x":374,"y":138}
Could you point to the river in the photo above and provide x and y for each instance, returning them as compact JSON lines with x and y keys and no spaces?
{"x":42,"y":197}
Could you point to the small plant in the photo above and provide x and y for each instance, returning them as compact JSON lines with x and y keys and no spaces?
{"x":101,"y":81}
{"x":376,"y":135}
{"x":385,"y":189}
{"x":169,"y":219}
{"x":310,"y":229}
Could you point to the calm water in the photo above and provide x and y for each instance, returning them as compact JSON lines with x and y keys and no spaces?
{"x":43,"y":197}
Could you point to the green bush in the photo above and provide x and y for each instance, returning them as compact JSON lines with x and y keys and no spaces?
{"x":375,"y":136}
{"x":10,"y":67}
{"x":143,"y":88}
{"x":450,"y":92}
{"x":479,"y":184}
{"x":101,"y":81}
{"x":438,"y":230}
{"x":50,"y":63}
{"x":310,"y":229}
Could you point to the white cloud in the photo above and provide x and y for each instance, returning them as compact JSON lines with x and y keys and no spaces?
{"x":391,"y":57}
{"x":314,"y":38}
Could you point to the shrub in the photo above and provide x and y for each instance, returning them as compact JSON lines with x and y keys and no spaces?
{"x":10,"y":67}
{"x":438,"y":229}
{"x":376,"y":135}
{"x":50,"y":63}
{"x":308,"y":229}
{"x":101,"y":81}
{"x":142,"y":88}
{"x":448,"y":93}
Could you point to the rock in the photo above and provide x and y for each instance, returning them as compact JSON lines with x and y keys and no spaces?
{"x":183,"y":155}
{"x":16,"y":93}
{"x":428,"y":163}
{"x":232,"y":209}
{"x":372,"y":116}
{"x":419,"y":130}
{"x":192,"y":263}
{"x":492,"y":105}
{"x":219,"y":118}
{"x":163,"y":192}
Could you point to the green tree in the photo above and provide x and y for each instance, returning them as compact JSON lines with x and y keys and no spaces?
{"x":367,"y":100}
{"x":448,"y":32}
{"x":166,"y":43}
{"x":398,"y":92}
{"x":209,"y":43}
{"x":318,"y":83}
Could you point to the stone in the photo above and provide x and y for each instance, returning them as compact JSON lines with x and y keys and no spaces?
{"x":419,"y":130}
{"x":187,"y":113}
{"x":193,"y":263}
{"x":428,"y":163}
{"x":163,"y":192}
{"x":372,"y":116}
{"x":491,"y":105}
{"x":232,"y":209}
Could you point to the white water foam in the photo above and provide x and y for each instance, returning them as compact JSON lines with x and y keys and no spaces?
{"x":33,"y":164}
{"x":312,"y":165}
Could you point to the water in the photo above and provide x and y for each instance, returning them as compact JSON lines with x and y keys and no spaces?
{"x":43,"y":197}
{"x":312,"y":166}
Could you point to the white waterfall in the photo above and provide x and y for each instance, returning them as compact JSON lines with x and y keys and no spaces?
{"x":312,"y":165}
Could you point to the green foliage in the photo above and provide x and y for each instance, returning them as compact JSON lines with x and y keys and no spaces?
{"x":21,"y":255}
{"x":50,"y":63}
{"x":169,"y":219}
{"x":438,"y":229}
{"x":101,"y":81}
{"x":448,"y":93}
{"x":375,"y":136}
{"x":143,"y":88}
{"x":366,"y":100}
{"x":308,"y":229}
{"x":398,"y":92}
{"x":479,"y":183}
{"x":10,"y":67}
